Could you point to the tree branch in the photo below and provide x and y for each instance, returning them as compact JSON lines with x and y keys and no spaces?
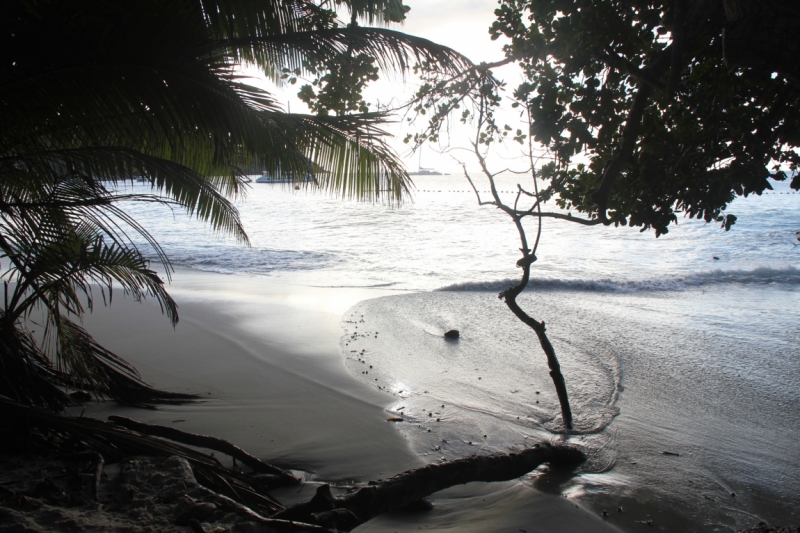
{"x":570,"y":218}
{"x":477,"y":194}
{"x":612,"y":59}
{"x":354,"y":509}
{"x":630,"y":135}
{"x":528,"y":257}
{"x":484,"y":67}
{"x":205,"y":441}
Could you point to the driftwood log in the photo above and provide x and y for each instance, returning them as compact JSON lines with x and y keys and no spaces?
{"x":348,"y":512}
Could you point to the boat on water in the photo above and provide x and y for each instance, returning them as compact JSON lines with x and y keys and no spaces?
{"x":284,"y":177}
{"x":422,"y":171}
{"x":425,"y":172}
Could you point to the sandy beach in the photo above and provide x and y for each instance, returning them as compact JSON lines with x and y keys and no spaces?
{"x":272,"y":365}
{"x":580,"y":314}
{"x":266,"y":358}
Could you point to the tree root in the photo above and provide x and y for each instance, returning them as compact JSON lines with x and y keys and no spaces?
{"x":204,"y":441}
{"x":279,"y":524}
{"x":115,"y":443}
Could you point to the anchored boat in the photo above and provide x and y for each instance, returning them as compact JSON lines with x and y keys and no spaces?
{"x":284,"y":177}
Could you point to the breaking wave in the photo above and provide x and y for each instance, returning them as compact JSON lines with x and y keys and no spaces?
{"x":757,"y":276}
{"x":233,"y":260}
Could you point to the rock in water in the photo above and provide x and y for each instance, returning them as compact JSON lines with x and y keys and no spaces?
{"x":452,"y":334}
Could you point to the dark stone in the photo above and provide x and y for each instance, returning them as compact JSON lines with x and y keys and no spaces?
{"x":452,"y":334}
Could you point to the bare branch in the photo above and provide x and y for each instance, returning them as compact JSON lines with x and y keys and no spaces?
{"x":523,"y":191}
{"x":570,"y":218}
{"x":538,"y":204}
{"x":477,"y":194}
{"x":528,"y":257}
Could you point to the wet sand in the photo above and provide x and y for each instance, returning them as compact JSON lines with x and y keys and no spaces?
{"x":684,"y":407}
{"x":267,"y":362}
{"x":266,"y":358}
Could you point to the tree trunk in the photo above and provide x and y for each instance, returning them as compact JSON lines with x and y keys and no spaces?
{"x":550,"y":352}
{"x":409,"y":487}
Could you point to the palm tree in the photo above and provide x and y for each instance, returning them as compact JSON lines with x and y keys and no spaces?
{"x":95,"y":93}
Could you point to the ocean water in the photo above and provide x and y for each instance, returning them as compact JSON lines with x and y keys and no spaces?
{"x":443,"y":239}
{"x":686,"y":344}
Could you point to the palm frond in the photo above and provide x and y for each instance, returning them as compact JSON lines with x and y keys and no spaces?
{"x":104,"y":372}
{"x":62,"y":262}
{"x":96,"y":94}
{"x":394,"y":51}
{"x":80,"y":177}
{"x":26,"y":374}
{"x":355,"y":160}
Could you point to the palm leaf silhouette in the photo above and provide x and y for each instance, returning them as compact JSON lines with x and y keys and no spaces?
{"x":95,"y":94}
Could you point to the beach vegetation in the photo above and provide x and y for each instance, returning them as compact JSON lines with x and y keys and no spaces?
{"x":644,"y":110}
{"x":630,"y":113}
{"x":104,"y":103}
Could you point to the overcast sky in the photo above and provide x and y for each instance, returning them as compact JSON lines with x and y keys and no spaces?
{"x":464,"y":26}
{"x":460,"y":24}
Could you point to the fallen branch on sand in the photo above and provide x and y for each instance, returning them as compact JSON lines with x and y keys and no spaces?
{"x":409,"y":487}
{"x":204,"y":441}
